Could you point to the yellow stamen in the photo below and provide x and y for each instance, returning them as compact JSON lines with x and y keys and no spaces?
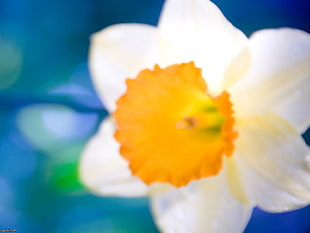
{"x":169,"y":127}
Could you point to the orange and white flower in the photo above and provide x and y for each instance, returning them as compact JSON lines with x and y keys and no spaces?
{"x":209,"y":124}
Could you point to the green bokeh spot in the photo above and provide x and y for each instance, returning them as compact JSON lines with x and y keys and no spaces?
{"x":64,"y":177}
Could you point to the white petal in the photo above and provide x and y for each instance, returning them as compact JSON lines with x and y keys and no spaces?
{"x":237,"y":69}
{"x":119,"y":52}
{"x":197,"y":30}
{"x":104,"y":171}
{"x":273,"y":164}
{"x":278,"y":79}
{"x":203,"y":206}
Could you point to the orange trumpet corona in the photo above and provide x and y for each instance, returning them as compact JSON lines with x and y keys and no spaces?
{"x":170,"y":129}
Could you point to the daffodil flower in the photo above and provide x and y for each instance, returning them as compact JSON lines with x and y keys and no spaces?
{"x":205,"y":121}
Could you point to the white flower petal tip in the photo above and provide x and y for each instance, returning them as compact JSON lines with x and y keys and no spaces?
{"x":104,"y":171}
{"x":203,"y":206}
{"x":272,"y":165}
{"x":198,"y":31}
{"x":119,"y":52}
{"x":278,"y":79}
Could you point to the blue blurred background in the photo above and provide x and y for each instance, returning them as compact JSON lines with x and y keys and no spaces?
{"x":49,"y":109}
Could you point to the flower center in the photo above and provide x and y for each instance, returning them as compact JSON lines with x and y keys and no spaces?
{"x":170,"y":129}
